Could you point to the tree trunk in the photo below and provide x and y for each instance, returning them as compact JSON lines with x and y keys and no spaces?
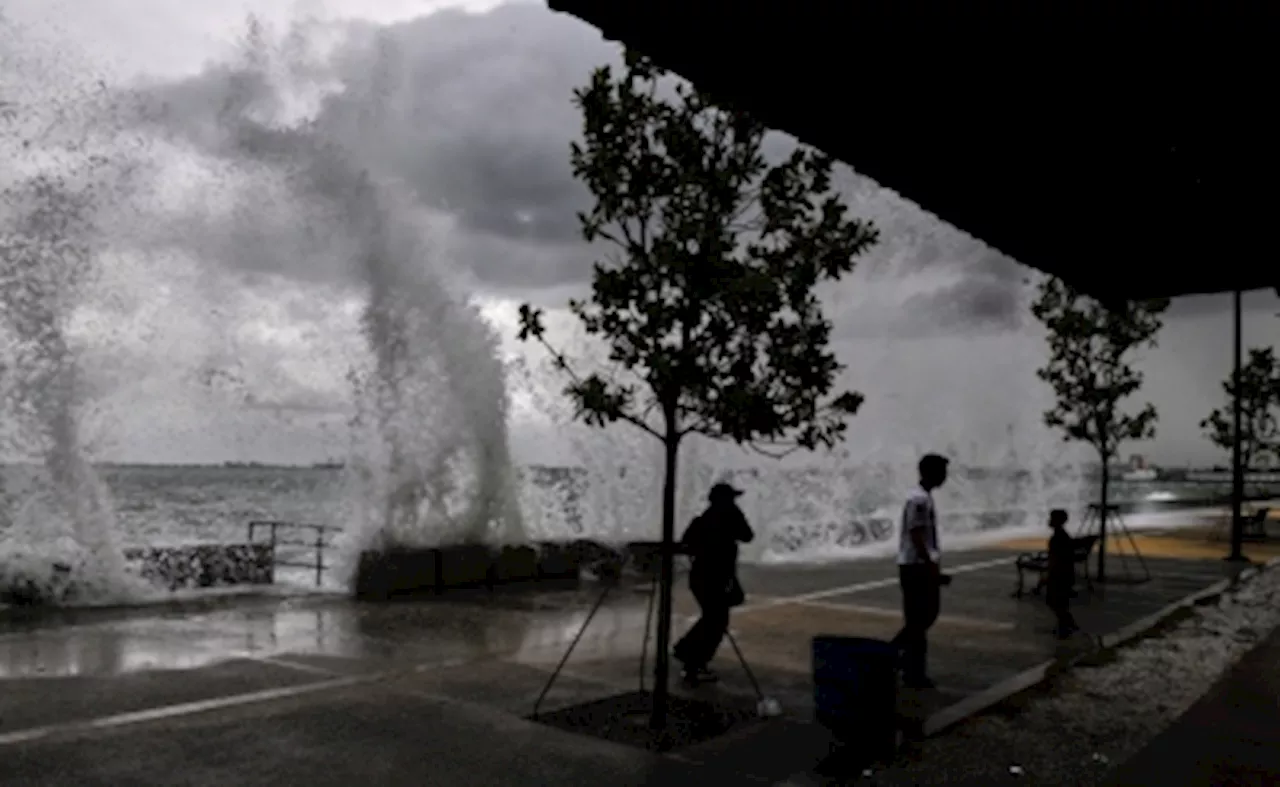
{"x":662,"y":660}
{"x":1102,"y":519}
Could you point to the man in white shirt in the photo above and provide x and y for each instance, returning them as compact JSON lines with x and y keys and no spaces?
{"x":918,"y":571}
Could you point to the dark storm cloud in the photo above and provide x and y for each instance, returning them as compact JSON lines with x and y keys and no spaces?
{"x":515,"y":266}
{"x":974,"y":303}
{"x":472,"y":113}
{"x":911,"y":307}
{"x":958,"y":283}
{"x":1199,"y":305}
{"x":988,"y":293}
{"x":946,"y":280}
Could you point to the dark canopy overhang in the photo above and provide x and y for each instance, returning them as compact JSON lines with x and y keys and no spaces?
{"x":1127,"y":148}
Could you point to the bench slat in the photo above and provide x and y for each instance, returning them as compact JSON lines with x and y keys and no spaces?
{"x":1081,"y":549}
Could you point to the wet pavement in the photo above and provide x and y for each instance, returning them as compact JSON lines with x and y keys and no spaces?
{"x":253,"y":671}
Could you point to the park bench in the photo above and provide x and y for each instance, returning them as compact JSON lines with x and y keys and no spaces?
{"x":1255,"y":527}
{"x":1038,"y":562}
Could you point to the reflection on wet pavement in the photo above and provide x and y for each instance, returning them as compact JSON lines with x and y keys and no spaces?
{"x":535,"y":629}
{"x":394,"y":633}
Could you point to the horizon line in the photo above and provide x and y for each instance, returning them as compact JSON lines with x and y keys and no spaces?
{"x":332,"y":464}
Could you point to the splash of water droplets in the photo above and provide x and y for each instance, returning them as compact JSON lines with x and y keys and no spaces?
{"x":429,"y":458}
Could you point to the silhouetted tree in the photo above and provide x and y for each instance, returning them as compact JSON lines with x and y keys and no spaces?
{"x":706,"y":300}
{"x":1259,"y":404}
{"x":1090,"y":373}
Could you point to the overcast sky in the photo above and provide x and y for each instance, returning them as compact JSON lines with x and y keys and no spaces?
{"x":221,"y":325}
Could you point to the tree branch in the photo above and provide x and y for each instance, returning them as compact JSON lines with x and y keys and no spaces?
{"x":702,"y":427}
{"x":631,"y":419}
{"x":612,"y":238}
{"x":562,"y":364}
{"x":653,"y":402}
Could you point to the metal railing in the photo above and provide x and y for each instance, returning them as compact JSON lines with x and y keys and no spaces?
{"x":276,"y":529}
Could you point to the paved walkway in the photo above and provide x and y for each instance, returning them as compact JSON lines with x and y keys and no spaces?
{"x":1231,"y":736}
{"x":327,"y":691}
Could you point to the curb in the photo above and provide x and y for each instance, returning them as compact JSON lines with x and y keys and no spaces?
{"x":974,"y":704}
{"x":1143,"y":625}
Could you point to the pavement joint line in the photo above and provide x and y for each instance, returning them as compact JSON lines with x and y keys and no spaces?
{"x":778,"y":601}
{"x":180,"y":710}
{"x":184,"y":709}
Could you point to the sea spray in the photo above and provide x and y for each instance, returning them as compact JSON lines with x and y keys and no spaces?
{"x":430,"y":460}
{"x":60,"y":541}
{"x":622,"y":466}
{"x":982,"y":409}
{"x":70,"y":177}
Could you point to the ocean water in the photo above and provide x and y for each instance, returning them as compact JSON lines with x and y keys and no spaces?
{"x":160,"y":505}
{"x":798,"y":513}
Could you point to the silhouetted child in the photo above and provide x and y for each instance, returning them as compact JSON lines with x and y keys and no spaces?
{"x":1062,"y":574}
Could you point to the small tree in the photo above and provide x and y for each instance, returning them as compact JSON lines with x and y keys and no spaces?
{"x":706,"y":303}
{"x":1090,"y":374}
{"x":1259,"y":401}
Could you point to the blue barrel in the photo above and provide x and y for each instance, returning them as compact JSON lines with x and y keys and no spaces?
{"x":855,"y":691}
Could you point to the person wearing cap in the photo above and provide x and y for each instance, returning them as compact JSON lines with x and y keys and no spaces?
{"x":711,"y":540}
{"x":919,"y":574}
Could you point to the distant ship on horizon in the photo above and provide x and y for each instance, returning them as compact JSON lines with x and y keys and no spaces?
{"x":1139,"y":470}
{"x":329,"y":464}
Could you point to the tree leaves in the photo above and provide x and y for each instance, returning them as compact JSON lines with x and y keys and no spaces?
{"x":530,"y":323}
{"x":1088,"y":367}
{"x":708,"y":293}
{"x":1259,"y":399}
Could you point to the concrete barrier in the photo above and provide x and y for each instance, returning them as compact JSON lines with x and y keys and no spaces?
{"x":644,"y":559}
{"x":515,"y":564}
{"x":557,"y":564}
{"x":466,"y":566}
{"x":400,"y":572}
{"x":600,"y":560}
{"x":382,"y":575}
